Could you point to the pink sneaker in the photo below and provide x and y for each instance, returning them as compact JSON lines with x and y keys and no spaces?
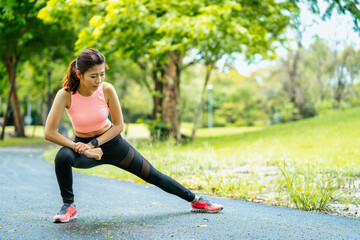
{"x":66,"y":214}
{"x":204,"y":205}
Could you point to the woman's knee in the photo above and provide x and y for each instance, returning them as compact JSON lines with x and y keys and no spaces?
{"x":64,"y":155}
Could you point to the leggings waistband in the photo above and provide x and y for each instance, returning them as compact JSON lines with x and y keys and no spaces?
{"x":88,"y":139}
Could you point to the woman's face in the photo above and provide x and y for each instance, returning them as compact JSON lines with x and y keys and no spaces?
{"x":92,"y":78}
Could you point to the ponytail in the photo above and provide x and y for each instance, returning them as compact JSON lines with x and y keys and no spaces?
{"x":71,"y":81}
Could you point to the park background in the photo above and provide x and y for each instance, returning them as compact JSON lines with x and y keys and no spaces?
{"x":231,"y":98}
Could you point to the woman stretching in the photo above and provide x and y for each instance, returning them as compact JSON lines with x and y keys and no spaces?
{"x":87,"y":100}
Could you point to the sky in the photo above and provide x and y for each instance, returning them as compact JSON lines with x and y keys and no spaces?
{"x":337,"y":29}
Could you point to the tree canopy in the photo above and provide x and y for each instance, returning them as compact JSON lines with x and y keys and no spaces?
{"x":165,"y":32}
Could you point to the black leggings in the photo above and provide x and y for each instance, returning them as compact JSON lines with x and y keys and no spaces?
{"x":119,"y":153}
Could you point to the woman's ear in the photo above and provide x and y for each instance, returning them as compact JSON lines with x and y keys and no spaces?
{"x":78,"y":74}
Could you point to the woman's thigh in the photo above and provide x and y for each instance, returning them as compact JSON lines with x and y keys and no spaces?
{"x":120,"y":153}
{"x":114,"y":150}
{"x":67,"y":156}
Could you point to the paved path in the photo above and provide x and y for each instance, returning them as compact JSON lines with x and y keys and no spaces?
{"x":109,"y":208}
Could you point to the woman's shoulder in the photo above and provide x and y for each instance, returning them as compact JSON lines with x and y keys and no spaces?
{"x":109,"y":91}
{"x":108,"y":88}
{"x":65,"y":95}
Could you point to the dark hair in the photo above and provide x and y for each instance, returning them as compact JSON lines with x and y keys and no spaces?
{"x":86,"y":59}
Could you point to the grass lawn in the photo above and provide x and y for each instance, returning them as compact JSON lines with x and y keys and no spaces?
{"x":309,"y":164}
{"x":34,"y":135}
{"x":12,"y":141}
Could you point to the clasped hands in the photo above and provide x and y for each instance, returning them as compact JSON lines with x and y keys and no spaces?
{"x":88,"y":150}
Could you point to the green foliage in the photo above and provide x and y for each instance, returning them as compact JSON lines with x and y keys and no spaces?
{"x":243,"y":106}
{"x":3,"y":86}
{"x":147,"y":31}
{"x":236,"y":101}
{"x":134,"y":97}
{"x":23,"y":33}
{"x":77,"y":13}
{"x":264,"y":97}
{"x":190,"y":85}
{"x":320,"y":75}
{"x":171,"y":28}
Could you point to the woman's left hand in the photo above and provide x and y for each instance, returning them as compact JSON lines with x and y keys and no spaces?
{"x":81,"y":147}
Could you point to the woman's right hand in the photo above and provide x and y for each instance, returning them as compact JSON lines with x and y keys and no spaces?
{"x":94,"y":153}
{"x":81,"y":147}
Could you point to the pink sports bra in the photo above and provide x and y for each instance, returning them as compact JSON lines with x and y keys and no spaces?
{"x":88,"y":114}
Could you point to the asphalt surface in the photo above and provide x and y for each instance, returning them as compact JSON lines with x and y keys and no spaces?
{"x":113,"y":209}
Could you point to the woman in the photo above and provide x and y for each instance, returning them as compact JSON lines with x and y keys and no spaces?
{"x":87,"y":100}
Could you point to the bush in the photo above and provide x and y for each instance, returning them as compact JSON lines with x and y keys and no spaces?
{"x":288,"y":112}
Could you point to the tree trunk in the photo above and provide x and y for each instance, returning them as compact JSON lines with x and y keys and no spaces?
{"x":35,"y":123}
{"x":294,"y":88}
{"x":171,"y":94}
{"x":158,"y":86}
{"x":49,"y":71}
{"x":179,"y":106}
{"x":320,"y":84}
{"x":126,"y":113}
{"x":157,"y":100}
{"x":341,"y":80}
{"x":11,"y":64}
{"x":42,"y":110}
{"x":198,"y":112}
{"x":293,"y":75}
{"x":340,"y":87}
{"x":6,"y":112}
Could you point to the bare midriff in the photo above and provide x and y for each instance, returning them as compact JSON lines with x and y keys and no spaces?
{"x":95,"y":133}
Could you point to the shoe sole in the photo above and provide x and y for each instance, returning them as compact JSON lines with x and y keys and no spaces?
{"x":70,"y":219}
{"x":203,"y":210}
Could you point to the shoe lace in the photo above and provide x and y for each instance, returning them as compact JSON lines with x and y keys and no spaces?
{"x":63,"y":209}
{"x":208,"y":202}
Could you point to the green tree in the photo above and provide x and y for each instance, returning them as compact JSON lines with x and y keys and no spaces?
{"x":251,"y":30}
{"x":346,"y":72}
{"x":22,"y":35}
{"x":324,"y":75}
{"x":319,"y":63}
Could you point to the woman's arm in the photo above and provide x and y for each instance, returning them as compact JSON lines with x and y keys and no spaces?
{"x":53,"y":120}
{"x":116,"y":114}
{"x":52,"y":124}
